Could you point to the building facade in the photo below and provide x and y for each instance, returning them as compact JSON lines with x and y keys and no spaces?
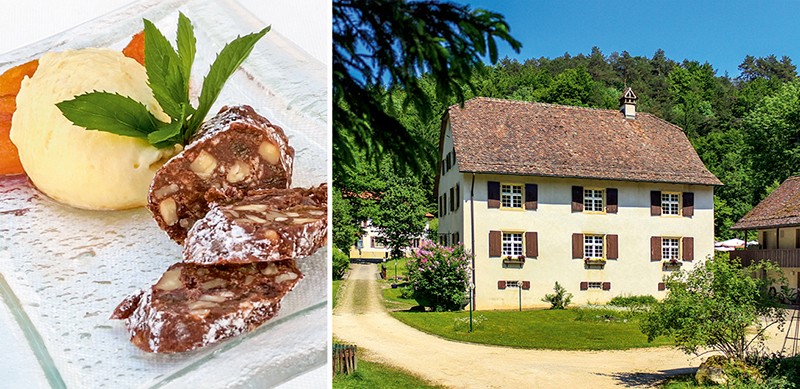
{"x":604,"y":202}
{"x":777,"y":222}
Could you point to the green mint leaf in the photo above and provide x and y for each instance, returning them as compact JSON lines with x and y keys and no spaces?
{"x":171,"y":132}
{"x":164,"y":71}
{"x":109,"y":112}
{"x":228,"y":60}
{"x":186,"y":48}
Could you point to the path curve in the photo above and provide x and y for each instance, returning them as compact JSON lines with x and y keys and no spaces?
{"x":462,"y":365}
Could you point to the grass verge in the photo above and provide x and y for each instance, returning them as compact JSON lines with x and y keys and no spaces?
{"x":335,"y":290}
{"x":370,"y":375}
{"x":535,"y":329}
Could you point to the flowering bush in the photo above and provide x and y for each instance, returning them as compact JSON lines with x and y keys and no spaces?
{"x":439,"y":276}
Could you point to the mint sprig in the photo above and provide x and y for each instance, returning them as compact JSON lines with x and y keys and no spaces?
{"x":168,"y":73}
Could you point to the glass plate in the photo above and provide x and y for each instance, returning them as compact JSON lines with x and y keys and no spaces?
{"x":64,"y":270}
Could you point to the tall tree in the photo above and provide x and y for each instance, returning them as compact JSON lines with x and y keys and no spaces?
{"x":401,"y":215}
{"x":380,"y":45}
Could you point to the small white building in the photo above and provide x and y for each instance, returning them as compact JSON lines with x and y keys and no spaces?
{"x":605,"y":202}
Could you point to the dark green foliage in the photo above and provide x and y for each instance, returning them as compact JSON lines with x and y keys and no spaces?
{"x":380,"y":45}
{"x":560,"y":299}
{"x":345,"y":227}
{"x":341,"y":262}
{"x":718,"y":305}
{"x":781,"y":367}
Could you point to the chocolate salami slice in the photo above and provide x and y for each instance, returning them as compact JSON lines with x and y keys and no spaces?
{"x":193,"y":306}
{"x":234,"y":151}
{"x":266,"y":225}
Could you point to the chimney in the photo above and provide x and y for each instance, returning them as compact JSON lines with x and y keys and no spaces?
{"x":627,"y":104}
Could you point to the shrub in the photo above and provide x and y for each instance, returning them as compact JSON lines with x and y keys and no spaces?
{"x":341,"y":262}
{"x":778,"y":368}
{"x":717,"y":305}
{"x":560,"y":299}
{"x":633,"y":301}
{"x":438,"y":276}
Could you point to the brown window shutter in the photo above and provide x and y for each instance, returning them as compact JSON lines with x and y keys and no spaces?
{"x":584,"y":285}
{"x":526,"y":285}
{"x":495,"y":243}
{"x":655,"y":248}
{"x":606,"y":286}
{"x":531,"y":244}
{"x":494,"y":194}
{"x":688,"y":204}
{"x":612,"y":246}
{"x":662,"y":286}
{"x":501,"y":284}
{"x":796,"y":239}
{"x":452,"y":199}
{"x":577,"y":199}
{"x":611,"y":200}
{"x":688,"y":248}
{"x":655,"y":203}
{"x":531,"y":196}
{"x":458,"y":196}
{"x":577,"y":245}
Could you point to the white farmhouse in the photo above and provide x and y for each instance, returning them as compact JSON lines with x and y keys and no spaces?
{"x":605,"y":202}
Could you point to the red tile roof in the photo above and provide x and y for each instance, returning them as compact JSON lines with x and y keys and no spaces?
{"x":780,"y":209}
{"x":525,"y":138}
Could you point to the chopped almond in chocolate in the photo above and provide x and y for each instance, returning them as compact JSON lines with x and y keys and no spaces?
{"x":266,"y":225}
{"x":193,"y":306}
{"x":235,"y":151}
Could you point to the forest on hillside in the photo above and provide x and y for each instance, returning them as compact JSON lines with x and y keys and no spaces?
{"x":745,"y":128}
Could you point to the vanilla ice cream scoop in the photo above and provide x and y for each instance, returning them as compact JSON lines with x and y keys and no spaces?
{"x":84,"y":169}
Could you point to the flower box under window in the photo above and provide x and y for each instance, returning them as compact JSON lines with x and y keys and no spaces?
{"x":599,"y":262}
{"x":514,"y":260}
{"x":672,"y":264}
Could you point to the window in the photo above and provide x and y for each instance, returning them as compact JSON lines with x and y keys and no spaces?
{"x":511,"y":196}
{"x":595,"y":285}
{"x":593,"y":200}
{"x":593,"y":246}
{"x":456,"y":238}
{"x":512,"y":284}
{"x":377,"y":245}
{"x":512,"y":244}
{"x":670,"y":204}
{"x":670,"y":248}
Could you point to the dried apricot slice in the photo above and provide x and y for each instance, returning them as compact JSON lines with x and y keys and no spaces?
{"x":12,"y":78}
{"x":135,"y":48}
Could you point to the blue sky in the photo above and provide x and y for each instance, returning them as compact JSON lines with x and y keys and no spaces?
{"x":717,"y":32}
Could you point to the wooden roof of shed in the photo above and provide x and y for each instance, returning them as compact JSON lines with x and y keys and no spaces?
{"x":525,"y":138}
{"x":780,"y":209}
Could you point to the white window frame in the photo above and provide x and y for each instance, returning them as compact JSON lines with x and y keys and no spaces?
{"x":594,"y":246}
{"x":594,"y":200}
{"x":670,"y":248}
{"x":511,"y":196}
{"x":512,"y":244}
{"x":670,"y":203}
{"x":594,"y":285}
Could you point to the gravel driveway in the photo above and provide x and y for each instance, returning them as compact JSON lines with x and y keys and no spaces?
{"x":361,"y":319}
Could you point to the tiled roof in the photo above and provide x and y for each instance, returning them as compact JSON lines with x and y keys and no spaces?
{"x":780,"y":209}
{"x":524,"y":138}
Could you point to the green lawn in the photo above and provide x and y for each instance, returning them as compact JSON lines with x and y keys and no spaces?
{"x":371,"y":375}
{"x":335,"y":291}
{"x":538,"y":329}
{"x":401,"y":269}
